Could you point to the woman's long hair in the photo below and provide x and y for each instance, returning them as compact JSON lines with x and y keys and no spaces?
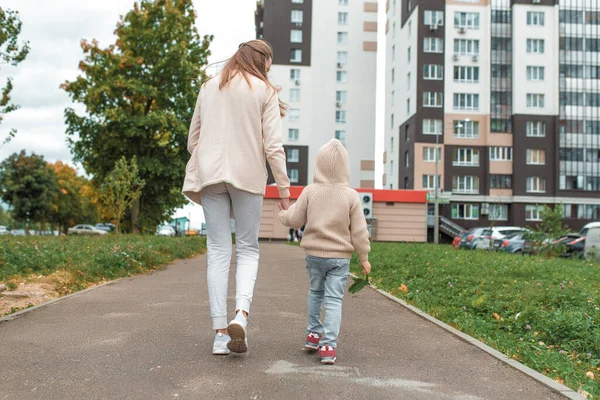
{"x":251,"y":59}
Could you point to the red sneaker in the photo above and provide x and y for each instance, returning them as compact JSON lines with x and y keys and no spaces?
{"x":312,"y":341}
{"x":327,"y":355}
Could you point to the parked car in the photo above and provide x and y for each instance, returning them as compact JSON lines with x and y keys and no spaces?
{"x":575,"y":242}
{"x":592,"y":243}
{"x":85,"y":230}
{"x":108,"y":227}
{"x":18,"y":232}
{"x":512,"y":243}
{"x":166,"y":230}
{"x":4,"y":231}
{"x":470,"y":238}
{"x":496,"y":232}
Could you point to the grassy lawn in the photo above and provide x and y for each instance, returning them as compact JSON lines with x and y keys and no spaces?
{"x":542,"y":312}
{"x":78,"y":262}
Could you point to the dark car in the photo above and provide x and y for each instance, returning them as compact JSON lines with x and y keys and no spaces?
{"x":512,"y":243}
{"x":574,"y":244}
{"x":469,"y":239}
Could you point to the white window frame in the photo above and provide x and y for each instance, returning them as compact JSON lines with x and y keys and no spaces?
{"x":342,"y":38}
{"x":532,"y":212}
{"x":466,"y":129}
{"x":341,"y":96}
{"x":408,"y":81}
{"x":296,"y":36}
{"x":433,"y":45}
{"x":436,"y":124}
{"x":501,"y":153}
{"x":535,"y":129}
{"x":295,"y":74}
{"x":468,"y":210}
{"x":296,"y":55}
{"x":466,"y":101}
{"x":535,"y":18}
{"x":340,"y":116}
{"x":536,"y":73}
{"x":297,"y":16}
{"x":430,"y":182}
{"x":466,"y":74}
{"x":433,"y":99}
{"x":466,"y":20}
{"x":343,"y":2}
{"x":466,"y":157}
{"x":536,"y":184}
{"x":340,"y":135}
{"x":293,"y":155}
{"x":342,"y":57}
{"x":293,"y":175}
{"x":341,"y":76}
{"x":536,"y":157}
{"x":293,"y":135}
{"x":433,"y":72}
{"x":342,"y":18}
{"x":298,"y":1}
{"x":466,"y":47}
{"x":498,"y":212}
{"x":536,"y":100}
{"x":468,"y":184}
{"x":294,"y":94}
{"x":433,"y":17}
{"x":535,"y":46}
{"x":430,"y":152}
{"x":294,"y":114}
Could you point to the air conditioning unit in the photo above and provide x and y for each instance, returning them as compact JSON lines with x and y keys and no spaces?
{"x":338,"y":104}
{"x":455,"y":57}
{"x":475,"y":58}
{"x":366,"y":200}
{"x":340,"y":65}
{"x":537,"y":1}
{"x":485,"y":208}
{"x":462,"y":29}
{"x":433,"y":27}
{"x":297,"y":82}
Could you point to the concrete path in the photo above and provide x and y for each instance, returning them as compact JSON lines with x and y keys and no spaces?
{"x":150,"y":338}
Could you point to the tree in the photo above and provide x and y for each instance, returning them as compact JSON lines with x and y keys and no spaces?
{"x":11,"y":53}
{"x":140,"y":94}
{"x":28,"y":185}
{"x":551,"y":228}
{"x":120,"y":189}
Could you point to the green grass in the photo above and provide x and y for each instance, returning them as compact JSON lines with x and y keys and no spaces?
{"x":79,"y":262}
{"x":542,"y":312}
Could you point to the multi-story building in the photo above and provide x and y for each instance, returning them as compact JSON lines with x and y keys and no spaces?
{"x":325,"y":64}
{"x":502,"y":98}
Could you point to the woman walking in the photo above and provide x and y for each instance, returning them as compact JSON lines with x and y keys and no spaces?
{"x":235,"y":130}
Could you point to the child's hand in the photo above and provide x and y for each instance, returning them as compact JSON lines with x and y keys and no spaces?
{"x":366,"y":267}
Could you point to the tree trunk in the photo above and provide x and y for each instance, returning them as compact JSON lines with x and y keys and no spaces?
{"x":135,"y":217}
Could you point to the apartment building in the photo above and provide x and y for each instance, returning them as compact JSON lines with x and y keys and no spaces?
{"x":325,"y":64}
{"x":502,"y":98}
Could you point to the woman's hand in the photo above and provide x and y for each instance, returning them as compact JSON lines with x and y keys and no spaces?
{"x":366,"y":267}
{"x":284,"y":204}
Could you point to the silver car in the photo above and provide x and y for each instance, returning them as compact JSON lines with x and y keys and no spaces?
{"x":85,"y":230}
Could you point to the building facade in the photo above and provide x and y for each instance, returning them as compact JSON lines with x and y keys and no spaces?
{"x":502,"y":98}
{"x":325,"y":64}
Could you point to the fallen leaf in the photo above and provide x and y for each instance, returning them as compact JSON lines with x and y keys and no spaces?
{"x":403,"y":288}
{"x":496,"y":316}
{"x":590,"y":375}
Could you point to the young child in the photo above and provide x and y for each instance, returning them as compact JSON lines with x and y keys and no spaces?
{"x":335,"y":228}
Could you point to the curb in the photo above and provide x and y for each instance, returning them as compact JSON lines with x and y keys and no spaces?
{"x":544,"y":380}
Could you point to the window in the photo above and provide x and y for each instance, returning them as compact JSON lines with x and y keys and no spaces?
{"x":465,"y":157}
{"x":406,"y":159}
{"x":536,"y":157}
{"x":293,"y":175}
{"x":465,"y":211}
{"x":408,"y":106}
{"x":500,"y":181}
{"x":342,"y":57}
{"x":394,"y":30}
{"x":343,"y":18}
{"x":293,"y":155}
{"x":393,"y":52}
{"x":570,"y":17}
{"x":297,"y":16}
{"x":500,"y":153}
{"x":296,"y":36}
{"x":536,"y":129}
{"x":293,"y":135}
{"x":592,"y":45}
{"x":466,"y":47}
{"x":535,"y":100}
{"x":408,"y":55}
{"x":498,"y":212}
{"x":341,"y":76}
{"x":392,"y":144}
{"x":501,"y":17}
{"x":294,"y":114}
{"x":340,"y":117}
{"x":392,"y":122}
{"x":296,"y":55}
{"x":570,"y":43}
{"x":571,"y":98}
{"x":466,"y":129}
{"x":393,"y":98}
{"x":433,"y":17}
{"x":391,"y":167}
{"x":294,"y":74}
{"x":433,"y":45}
{"x":535,"y":18}
{"x":340,"y":96}
{"x":465,"y":184}
{"x":408,"y":81}
{"x":535,"y":73}
{"x":467,"y":20}
{"x":571,"y":71}
{"x":466,"y":101}
{"x":592,"y":99}
{"x":409,"y":29}
{"x":393,"y":75}
{"x":342,"y":37}
{"x":298,"y":1}
{"x":429,"y":154}
{"x":343,"y":2}
{"x":501,"y":125}
{"x":501,"y":71}
{"x":532,"y":213}
{"x":433,"y":99}
{"x":501,"y":44}
{"x":294,"y":94}
{"x":432,"y":126}
{"x":536,"y":184}
{"x":341,"y":136}
{"x":406,"y":180}
{"x":535,"y":46}
{"x":466,"y":74}
{"x":567,"y":210}
{"x":429,"y":182}
{"x":433,"y":72}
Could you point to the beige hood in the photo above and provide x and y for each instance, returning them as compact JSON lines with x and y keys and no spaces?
{"x":332,"y":164}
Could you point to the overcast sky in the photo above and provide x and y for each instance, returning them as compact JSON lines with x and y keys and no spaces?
{"x":55,"y":29}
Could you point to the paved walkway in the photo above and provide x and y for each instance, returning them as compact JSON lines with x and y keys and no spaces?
{"x":149,"y":338}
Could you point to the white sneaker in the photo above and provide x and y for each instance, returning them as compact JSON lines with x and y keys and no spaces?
{"x":237,"y":332}
{"x":220,"y":345}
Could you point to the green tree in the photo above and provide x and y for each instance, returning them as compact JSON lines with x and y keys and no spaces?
{"x":121,"y":188}
{"x":12,"y":53}
{"x":548,"y":230}
{"x":139,"y":94}
{"x":28,"y":185}
{"x":5,"y":218}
